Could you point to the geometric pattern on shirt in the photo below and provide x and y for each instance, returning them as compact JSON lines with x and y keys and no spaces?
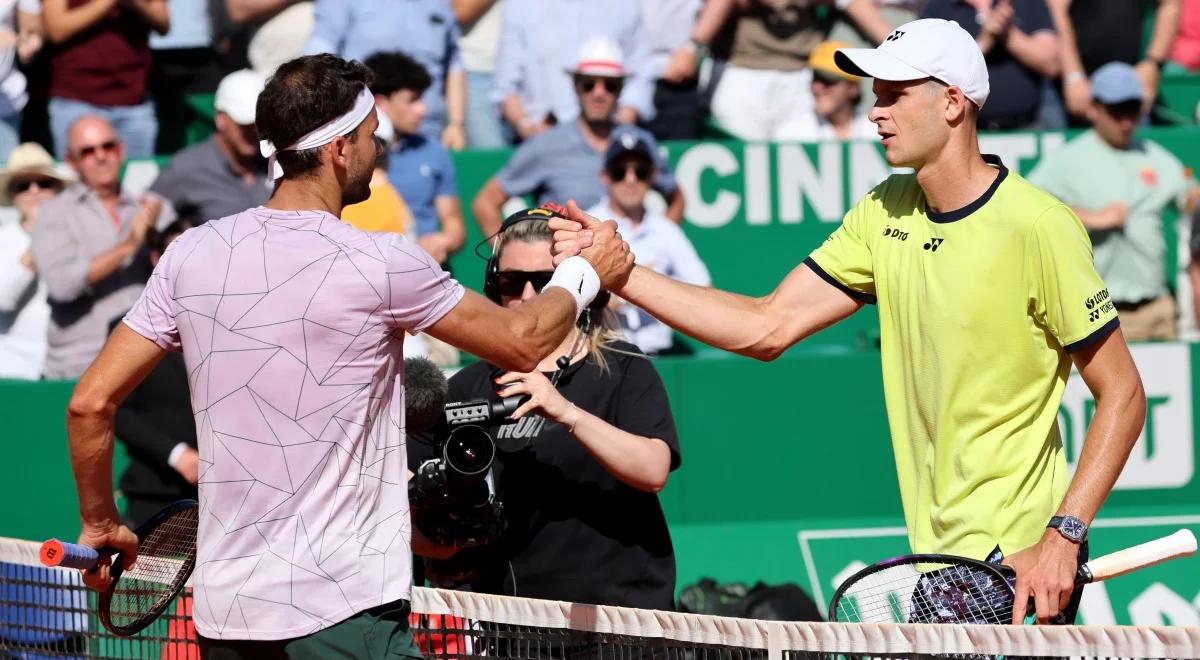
{"x":303,"y":461}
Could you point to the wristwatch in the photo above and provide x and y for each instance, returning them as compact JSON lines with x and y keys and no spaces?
{"x":1073,"y":529}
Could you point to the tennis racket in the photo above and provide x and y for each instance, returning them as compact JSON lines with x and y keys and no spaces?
{"x":166,"y":556}
{"x":932,"y":588}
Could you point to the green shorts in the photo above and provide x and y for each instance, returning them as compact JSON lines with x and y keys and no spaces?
{"x":380,"y":632}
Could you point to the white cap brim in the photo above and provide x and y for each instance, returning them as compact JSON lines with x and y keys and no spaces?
{"x":875,"y":63}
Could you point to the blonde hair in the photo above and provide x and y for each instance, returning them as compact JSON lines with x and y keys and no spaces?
{"x":599,"y":327}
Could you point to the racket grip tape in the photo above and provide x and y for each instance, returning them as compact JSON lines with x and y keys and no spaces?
{"x":68,"y":555}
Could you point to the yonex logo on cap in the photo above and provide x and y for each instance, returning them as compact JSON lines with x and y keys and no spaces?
{"x":895,"y":35}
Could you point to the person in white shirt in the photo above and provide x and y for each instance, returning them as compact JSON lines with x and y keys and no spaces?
{"x":836,"y":98}
{"x":656,"y":241}
{"x":29,"y":179}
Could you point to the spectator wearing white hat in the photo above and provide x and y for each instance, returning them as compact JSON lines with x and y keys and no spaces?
{"x":560,"y":164}
{"x":30,"y":179}
{"x":224,"y":174}
{"x":535,"y":78}
{"x":987,"y":296}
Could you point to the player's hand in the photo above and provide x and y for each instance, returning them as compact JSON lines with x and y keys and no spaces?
{"x":999,"y":19}
{"x":111,"y":536}
{"x":188,"y":465}
{"x":577,"y":233}
{"x":1045,"y":573}
{"x":544,"y":398}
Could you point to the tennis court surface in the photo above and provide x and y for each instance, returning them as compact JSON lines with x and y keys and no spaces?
{"x":47,"y":613}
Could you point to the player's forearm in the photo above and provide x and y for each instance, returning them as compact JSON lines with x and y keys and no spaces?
{"x":109,"y":261}
{"x":90,"y":437}
{"x":637,"y":461}
{"x":1120,"y":414}
{"x":728,"y":321}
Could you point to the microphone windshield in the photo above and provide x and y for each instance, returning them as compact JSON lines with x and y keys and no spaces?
{"x":425,"y":389}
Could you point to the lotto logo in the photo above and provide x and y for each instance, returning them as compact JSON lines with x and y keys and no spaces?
{"x":933,"y":244}
{"x":895,"y":233}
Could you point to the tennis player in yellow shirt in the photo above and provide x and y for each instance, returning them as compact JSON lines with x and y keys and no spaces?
{"x":986,"y":295}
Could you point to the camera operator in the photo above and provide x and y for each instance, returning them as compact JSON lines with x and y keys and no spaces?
{"x":579,"y":470}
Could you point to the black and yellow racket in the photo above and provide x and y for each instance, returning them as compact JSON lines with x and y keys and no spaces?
{"x":933,"y":588}
{"x":138,"y":595}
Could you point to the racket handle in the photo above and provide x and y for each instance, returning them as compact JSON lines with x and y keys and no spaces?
{"x":1179,"y":544}
{"x":68,"y":555}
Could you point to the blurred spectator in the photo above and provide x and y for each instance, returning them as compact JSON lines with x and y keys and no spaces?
{"x":384,"y":210}
{"x":100,"y":65}
{"x":183,"y":74}
{"x":1185,"y":51}
{"x":674,"y":53}
{"x":281,"y":38}
{"x":1018,"y":40}
{"x":860,"y":27}
{"x":835,"y":98}
{"x":235,"y":23}
{"x":156,"y":424}
{"x":87,"y":246}
{"x":419,"y":167}
{"x":425,"y":30}
{"x":20,"y":40}
{"x":1095,"y":33}
{"x":1119,"y":187}
{"x":766,"y":45}
{"x":29,"y":180}
{"x":657,"y":242}
{"x":535,"y":65}
{"x":225,"y":174}
{"x":561,"y":163}
{"x":480,"y":23}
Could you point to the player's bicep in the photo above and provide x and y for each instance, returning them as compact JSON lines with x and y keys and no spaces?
{"x":124,"y":362}
{"x":1106,"y":365}
{"x":805,"y":302}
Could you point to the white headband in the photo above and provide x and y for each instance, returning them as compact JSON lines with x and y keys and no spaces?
{"x":323,"y":134}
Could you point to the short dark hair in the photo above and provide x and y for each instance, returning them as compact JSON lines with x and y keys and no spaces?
{"x":394,"y":71}
{"x":302,"y":95}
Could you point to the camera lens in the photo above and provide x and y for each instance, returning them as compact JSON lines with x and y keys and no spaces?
{"x":469,"y":450}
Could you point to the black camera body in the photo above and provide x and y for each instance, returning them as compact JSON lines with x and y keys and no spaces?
{"x":452,"y":498}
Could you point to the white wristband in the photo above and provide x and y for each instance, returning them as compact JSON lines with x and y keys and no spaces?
{"x":176,"y":452}
{"x":579,"y":279}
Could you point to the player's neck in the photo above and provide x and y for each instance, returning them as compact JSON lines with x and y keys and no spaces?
{"x":955,"y":179}
{"x":309,"y":194}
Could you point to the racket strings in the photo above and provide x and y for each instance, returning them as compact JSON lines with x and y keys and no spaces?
{"x":927,"y":593}
{"x":165,"y":559}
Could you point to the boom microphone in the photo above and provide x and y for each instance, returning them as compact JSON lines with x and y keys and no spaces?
{"x":425,"y":390}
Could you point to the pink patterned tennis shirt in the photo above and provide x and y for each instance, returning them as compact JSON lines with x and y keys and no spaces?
{"x":291,"y":324}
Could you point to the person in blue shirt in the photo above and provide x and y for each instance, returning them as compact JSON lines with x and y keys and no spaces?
{"x":419,"y":168}
{"x":425,"y":30}
{"x":562,"y":163}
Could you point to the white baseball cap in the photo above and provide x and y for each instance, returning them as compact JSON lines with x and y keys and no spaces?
{"x":925,"y":48}
{"x":237,"y":95}
{"x":599,"y":56}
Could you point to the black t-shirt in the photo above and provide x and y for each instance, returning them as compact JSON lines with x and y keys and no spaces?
{"x":1107,"y":31}
{"x":575,"y":532}
{"x":1016,"y":90}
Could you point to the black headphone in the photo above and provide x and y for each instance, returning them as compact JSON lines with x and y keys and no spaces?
{"x":491,"y":278}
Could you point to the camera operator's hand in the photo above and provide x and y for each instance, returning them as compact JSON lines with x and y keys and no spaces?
{"x":544,"y":398}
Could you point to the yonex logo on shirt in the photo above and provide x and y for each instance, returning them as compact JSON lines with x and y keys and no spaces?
{"x":933,"y":244}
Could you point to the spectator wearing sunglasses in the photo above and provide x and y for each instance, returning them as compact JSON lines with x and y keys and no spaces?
{"x":561,"y":163}
{"x":580,"y":470}
{"x":88,"y":245}
{"x":29,"y":180}
{"x":836,"y":95}
{"x":657,"y":242}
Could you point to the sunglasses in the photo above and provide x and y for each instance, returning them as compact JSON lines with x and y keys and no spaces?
{"x":512,"y":282}
{"x":586,"y":84}
{"x":618,"y":171}
{"x":25,"y":184}
{"x":93,"y":149}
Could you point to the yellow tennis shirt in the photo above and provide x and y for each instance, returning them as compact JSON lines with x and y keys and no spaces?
{"x":978,"y":310}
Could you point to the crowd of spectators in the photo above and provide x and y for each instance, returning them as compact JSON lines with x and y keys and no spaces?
{"x":584,"y":91}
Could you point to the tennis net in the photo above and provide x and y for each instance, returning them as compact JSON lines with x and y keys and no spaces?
{"x":47,"y":613}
